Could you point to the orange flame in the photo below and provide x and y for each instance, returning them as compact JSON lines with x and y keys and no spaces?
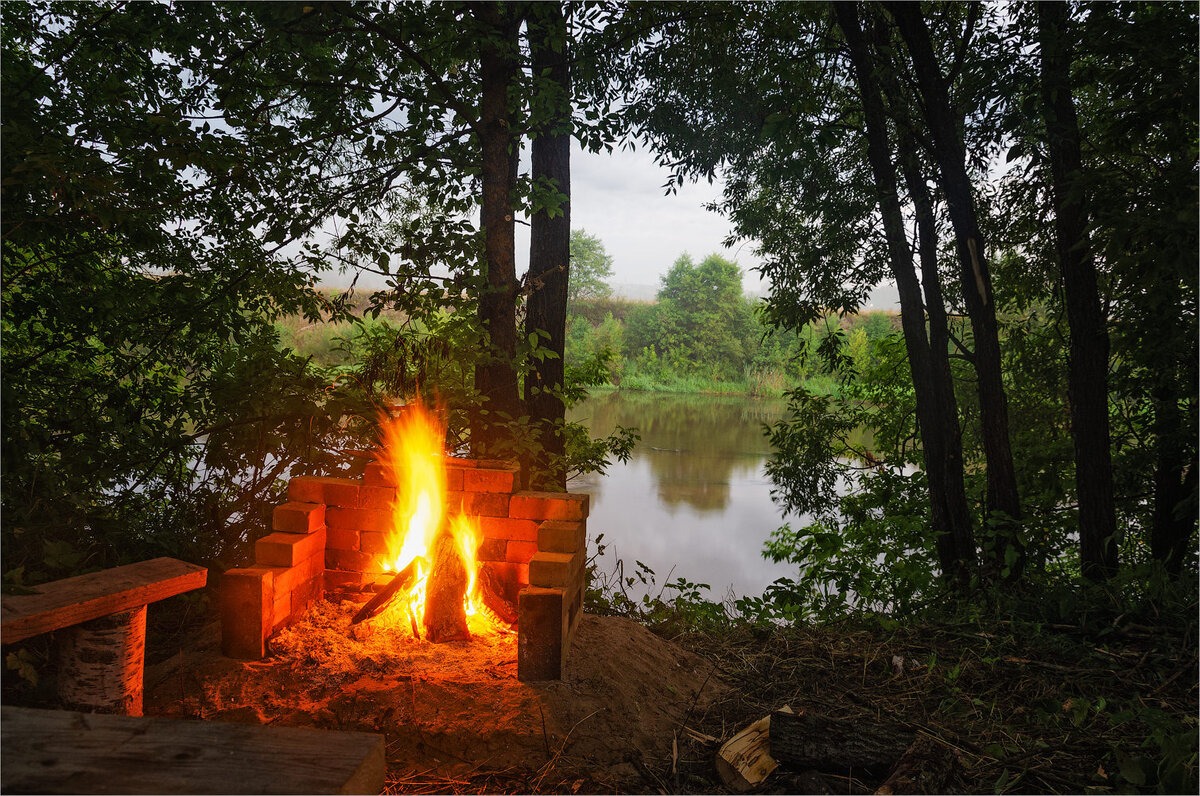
{"x":412,"y":452}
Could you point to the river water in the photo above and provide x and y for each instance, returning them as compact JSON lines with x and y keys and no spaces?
{"x":694,"y":500}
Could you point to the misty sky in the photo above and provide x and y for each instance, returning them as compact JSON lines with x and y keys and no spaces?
{"x":619,"y":198}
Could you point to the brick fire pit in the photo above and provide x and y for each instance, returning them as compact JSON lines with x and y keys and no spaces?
{"x":332,"y":534}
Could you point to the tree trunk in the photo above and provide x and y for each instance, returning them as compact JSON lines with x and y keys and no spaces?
{"x":953,"y":489}
{"x":549,"y":243}
{"x":1003,"y":502}
{"x":495,"y":376}
{"x":1174,"y":482}
{"x":952,"y":558}
{"x":1088,"y":364}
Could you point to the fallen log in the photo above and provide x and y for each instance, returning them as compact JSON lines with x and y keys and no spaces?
{"x":495,"y":597}
{"x":745,"y":759}
{"x":445,"y":616}
{"x":805,"y":740}
{"x":403,"y":581}
{"x":927,"y":766}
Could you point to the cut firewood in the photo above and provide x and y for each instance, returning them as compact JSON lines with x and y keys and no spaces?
{"x":745,"y":759}
{"x":927,"y":766}
{"x":805,"y":740}
{"x":495,"y":597}
{"x":403,"y":581}
{"x":445,"y":612}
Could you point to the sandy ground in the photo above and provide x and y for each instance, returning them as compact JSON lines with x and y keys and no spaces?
{"x":455,"y":709}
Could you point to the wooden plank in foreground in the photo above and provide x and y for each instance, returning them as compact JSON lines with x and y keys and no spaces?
{"x":63,"y":603}
{"x":58,"y":751}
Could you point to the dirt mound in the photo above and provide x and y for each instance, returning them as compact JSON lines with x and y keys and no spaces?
{"x":456,"y":708}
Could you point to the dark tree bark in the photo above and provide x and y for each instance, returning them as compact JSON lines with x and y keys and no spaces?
{"x":953,"y":491}
{"x":1088,"y":361}
{"x":1003,"y":501}
{"x":495,"y":376}
{"x":549,"y":242}
{"x":1173,"y":521}
{"x":806,"y":740}
{"x":955,"y":547}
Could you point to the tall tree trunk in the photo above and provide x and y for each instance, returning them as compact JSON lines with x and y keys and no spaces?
{"x":954,"y":491}
{"x":495,"y":376}
{"x":1003,"y":501}
{"x":1088,"y":364}
{"x":549,"y":241}
{"x":1173,"y":522}
{"x":954,"y":557}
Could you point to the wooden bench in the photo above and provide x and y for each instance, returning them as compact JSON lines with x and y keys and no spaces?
{"x":58,"y":751}
{"x":103,"y":615}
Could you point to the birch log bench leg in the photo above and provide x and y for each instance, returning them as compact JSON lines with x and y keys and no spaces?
{"x":103,"y":619}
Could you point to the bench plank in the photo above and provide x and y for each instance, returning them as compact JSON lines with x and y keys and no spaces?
{"x":58,"y":751}
{"x":63,"y":603}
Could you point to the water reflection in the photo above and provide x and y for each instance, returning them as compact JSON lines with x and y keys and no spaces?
{"x":694,"y":495}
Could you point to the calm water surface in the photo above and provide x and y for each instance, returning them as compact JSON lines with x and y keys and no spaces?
{"x":693,"y":496}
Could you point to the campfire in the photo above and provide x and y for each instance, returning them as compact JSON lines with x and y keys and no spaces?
{"x":431,"y":553}
{"x":440,"y":549}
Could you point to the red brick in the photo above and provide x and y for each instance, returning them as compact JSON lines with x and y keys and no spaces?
{"x":247,"y":607}
{"x":341,"y":539}
{"x":375,"y":474}
{"x":288,"y":579}
{"x":454,"y":502}
{"x":454,"y":479}
{"x":489,"y":480}
{"x":548,"y":506}
{"x":496,"y":464}
{"x":359,"y":519}
{"x":574,"y":614}
{"x":329,"y":490}
{"x":288,"y":549}
{"x":554,"y":570}
{"x":455,"y":461}
{"x":311,"y":590}
{"x":353,"y":561}
{"x":281,"y":610}
{"x":374,"y":543}
{"x":485,"y":504}
{"x":316,"y":563}
{"x":376,"y":497}
{"x":295,"y":517}
{"x":491,"y":550}
{"x":504,"y":528}
{"x":336,"y":578}
{"x":520,"y":552}
{"x":541,"y":634}
{"x":559,"y":536}
{"x":510,"y":572}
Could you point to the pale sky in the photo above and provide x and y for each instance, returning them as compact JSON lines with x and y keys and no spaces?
{"x":619,"y":198}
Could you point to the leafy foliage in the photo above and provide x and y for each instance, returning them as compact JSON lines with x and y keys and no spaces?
{"x":591,"y":268}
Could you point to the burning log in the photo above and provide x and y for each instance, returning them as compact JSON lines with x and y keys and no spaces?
{"x":495,"y":595}
{"x":399,"y":584}
{"x":445,"y":613}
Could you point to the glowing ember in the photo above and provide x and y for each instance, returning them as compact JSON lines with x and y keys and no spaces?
{"x":412,"y":452}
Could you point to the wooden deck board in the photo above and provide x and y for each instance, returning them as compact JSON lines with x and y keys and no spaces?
{"x":63,"y":603}
{"x":56,"y":751}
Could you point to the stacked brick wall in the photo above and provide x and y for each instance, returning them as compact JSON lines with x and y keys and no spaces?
{"x":288,"y":575}
{"x":535,"y":542}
